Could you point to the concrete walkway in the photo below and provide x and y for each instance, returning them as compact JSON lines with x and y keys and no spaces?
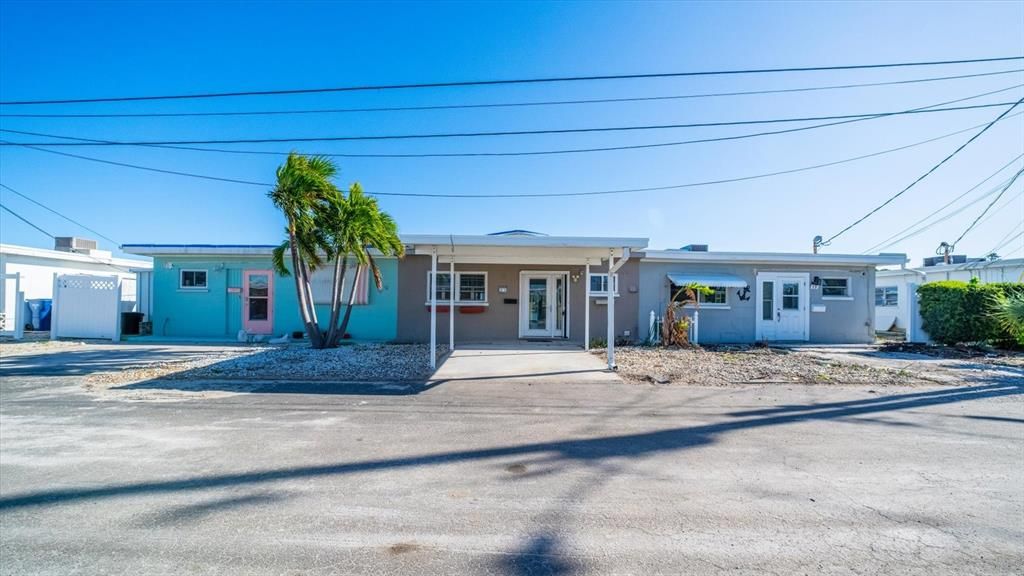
{"x":548,"y":362}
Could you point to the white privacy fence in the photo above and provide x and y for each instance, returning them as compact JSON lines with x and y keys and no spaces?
{"x":12,"y":306}
{"x":86,"y":306}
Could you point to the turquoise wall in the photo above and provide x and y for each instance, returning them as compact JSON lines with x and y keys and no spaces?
{"x":217,"y":313}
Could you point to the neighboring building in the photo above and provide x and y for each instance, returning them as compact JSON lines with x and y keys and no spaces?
{"x":893,"y":287}
{"x":36,"y":268}
{"x":524,"y":285}
{"x":762,"y":296}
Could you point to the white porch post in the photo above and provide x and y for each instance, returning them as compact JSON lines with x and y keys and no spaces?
{"x":611,"y":311}
{"x":433,"y":309}
{"x":451,"y":305}
{"x":586,"y":307}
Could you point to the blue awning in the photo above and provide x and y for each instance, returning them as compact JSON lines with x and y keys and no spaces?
{"x":723,"y":280}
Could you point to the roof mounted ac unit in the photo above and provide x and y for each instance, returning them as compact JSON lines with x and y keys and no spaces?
{"x":74,"y":244}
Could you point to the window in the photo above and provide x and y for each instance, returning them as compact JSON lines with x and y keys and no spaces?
{"x":887,"y":296}
{"x":192,"y":280}
{"x":790,"y":296}
{"x":470,"y":287}
{"x":599,"y":284}
{"x":719,"y":296}
{"x":835,"y":287}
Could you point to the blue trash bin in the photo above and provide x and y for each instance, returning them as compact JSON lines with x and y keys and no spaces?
{"x":45,"y":308}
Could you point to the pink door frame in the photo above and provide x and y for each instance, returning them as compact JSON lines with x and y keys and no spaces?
{"x":258,"y":326}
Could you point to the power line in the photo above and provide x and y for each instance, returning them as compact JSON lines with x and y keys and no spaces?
{"x":987,"y":208}
{"x":1006,"y":239}
{"x":923,"y":176}
{"x":946,"y":217}
{"x":507,"y":104}
{"x":23,"y":219}
{"x":51,"y":210}
{"x":543,"y":80}
{"x":885,"y":243}
{"x":542,"y":195}
{"x":94,"y":142}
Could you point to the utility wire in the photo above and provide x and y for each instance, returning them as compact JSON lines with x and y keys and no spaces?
{"x":1006,"y":239}
{"x":1007,"y":243}
{"x":544,"y":80}
{"x":95,"y":142}
{"x":541,"y":195}
{"x":946,"y":217}
{"x":68,"y":218}
{"x":505,"y":104}
{"x":923,"y":176}
{"x":987,"y":208}
{"x":885,"y":243}
{"x":23,"y":219}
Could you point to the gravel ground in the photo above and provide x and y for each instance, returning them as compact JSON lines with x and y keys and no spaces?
{"x":721,"y":366}
{"x":353,"y":363}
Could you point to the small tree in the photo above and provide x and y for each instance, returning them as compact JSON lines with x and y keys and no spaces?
{"x":1008,"y":311}
{"x":677,"y":332}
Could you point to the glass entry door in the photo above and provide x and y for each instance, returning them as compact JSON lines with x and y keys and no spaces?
{"x":542,"y":305}
{"x":258,"y":301}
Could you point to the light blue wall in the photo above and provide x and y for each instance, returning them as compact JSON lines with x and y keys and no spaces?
{"x":217,"y":313}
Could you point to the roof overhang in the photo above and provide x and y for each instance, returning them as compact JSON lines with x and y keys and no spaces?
{"x":60,"y":255}
{"x":537,"y":250}
{"x":723,"y":280}
{"x":775,"y":258}
{"x":198,"y":249}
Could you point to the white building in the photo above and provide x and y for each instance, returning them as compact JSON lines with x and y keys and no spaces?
{"x":31,"y":271}
{"x":892,"y":287}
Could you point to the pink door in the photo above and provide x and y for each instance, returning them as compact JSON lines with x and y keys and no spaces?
{"x":258,"y":301}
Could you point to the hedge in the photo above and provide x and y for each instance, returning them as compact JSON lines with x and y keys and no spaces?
{"x":954,"y":312}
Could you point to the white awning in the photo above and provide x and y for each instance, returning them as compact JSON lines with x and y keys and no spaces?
{"x":724,"y":280}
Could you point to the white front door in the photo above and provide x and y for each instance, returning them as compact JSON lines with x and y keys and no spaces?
{"x":782,"y":306}
{"x":543,"y":307}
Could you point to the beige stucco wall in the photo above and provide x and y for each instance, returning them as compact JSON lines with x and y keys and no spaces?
{"x":500,"y":321}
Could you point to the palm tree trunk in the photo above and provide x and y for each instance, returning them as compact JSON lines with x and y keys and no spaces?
{"x":312,"y":330}
{"x":311,"y":306}
{"x":340,"y":267}
{"x":351,"y":300}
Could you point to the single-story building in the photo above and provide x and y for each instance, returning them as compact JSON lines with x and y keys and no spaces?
{"x":521,"y":285}
{"x":894,"y":287}
{"x":31,"y":271}
{"x":765,"y":296}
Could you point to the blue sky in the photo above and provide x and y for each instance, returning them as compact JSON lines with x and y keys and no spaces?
{"x":83,"y":49}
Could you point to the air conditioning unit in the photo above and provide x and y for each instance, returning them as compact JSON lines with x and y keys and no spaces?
{"x":73,"y":244}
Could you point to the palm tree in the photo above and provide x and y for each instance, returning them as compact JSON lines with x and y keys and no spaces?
{"x":1009,"y":313}
{"x":357,"y":226}
{"x":304,"y":193}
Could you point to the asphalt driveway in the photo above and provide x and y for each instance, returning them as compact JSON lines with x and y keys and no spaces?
{"x":513,"y":477}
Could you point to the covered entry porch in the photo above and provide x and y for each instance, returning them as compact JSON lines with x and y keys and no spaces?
{"x":500,"y":288}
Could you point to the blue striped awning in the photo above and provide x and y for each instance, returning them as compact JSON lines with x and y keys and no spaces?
{"x":723,"y":280}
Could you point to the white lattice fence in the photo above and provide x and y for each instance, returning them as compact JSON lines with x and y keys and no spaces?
{"x":86,"y":307}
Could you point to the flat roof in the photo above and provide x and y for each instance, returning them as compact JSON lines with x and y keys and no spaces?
{"x":47,"y":254}
{"x":975,"y":265}
{"x":185,"y":249}
{"x":775,"y":258}
{"x":524,"y":241}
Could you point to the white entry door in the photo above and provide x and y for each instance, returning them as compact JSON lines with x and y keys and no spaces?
{"x":543,"y":305}
{"x":783,"y":310}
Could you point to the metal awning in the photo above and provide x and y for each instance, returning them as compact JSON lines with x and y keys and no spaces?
{"x":724,"y":280}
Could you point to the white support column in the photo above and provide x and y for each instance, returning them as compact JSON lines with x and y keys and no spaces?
{"x":611,"y":311}
{"x":586,"y":307}
{"x":451,"y":305}
{"x":433,"y":309}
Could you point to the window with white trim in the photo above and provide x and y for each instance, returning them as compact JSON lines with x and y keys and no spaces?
{"x":719,"y":296}
{"x":887,"y":296}
{"x":599,"y":284}
{"x":470,"y":287}
{"x":192,"y":279}
{"x":835,"y":287}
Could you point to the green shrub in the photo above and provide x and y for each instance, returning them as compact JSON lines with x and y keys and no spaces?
{"x":954,"y":312}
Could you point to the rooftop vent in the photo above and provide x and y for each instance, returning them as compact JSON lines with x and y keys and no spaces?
{"x":695,"y":248}
{"x":73,"y":244}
